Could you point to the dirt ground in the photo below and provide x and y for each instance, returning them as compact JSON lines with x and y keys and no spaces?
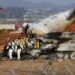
{"x":37,"y":67}
{"x":34,"y":67}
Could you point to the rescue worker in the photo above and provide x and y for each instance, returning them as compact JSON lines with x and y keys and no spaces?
{"x":16,"y":41}
{"x":10,"y":48}
{"x":36,"y":51}
{"x":36,"y":43}
{"x":22,"y":41}
{"x":18,"y":49}
{"x":14,"y":48}
{"x":23,"y":44}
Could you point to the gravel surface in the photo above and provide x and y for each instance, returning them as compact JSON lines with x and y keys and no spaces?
{"x":37,"y":67}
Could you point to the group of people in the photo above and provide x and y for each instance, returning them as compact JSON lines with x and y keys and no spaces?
{"x":13,"y":47}
{"x":25,"y":44}
{"x":20,"y":45}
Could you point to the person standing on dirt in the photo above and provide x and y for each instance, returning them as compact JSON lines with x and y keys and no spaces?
{"x":18,"y":50}
{"x":36,"y":44}
{"x":18,"y":47}
{"x":10,"y":48}
{"x":6,"y":47}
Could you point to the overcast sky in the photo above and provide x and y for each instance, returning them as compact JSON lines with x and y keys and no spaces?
{"x":58,"y":2}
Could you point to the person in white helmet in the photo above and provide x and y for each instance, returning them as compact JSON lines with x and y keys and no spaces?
{"x":18,"y":50}
{"x":10,"y":48}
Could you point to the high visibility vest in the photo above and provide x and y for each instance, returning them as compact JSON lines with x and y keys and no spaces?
{"x":36,"y":44}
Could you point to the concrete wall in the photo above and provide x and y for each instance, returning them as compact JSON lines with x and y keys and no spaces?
{"x":7,"y":26}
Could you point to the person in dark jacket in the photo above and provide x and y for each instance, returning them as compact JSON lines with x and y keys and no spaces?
{"x":10,"y":48}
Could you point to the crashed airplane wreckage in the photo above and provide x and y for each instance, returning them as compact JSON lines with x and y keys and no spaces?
{"x":55,"y":23}
{"x":55,"y":29}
